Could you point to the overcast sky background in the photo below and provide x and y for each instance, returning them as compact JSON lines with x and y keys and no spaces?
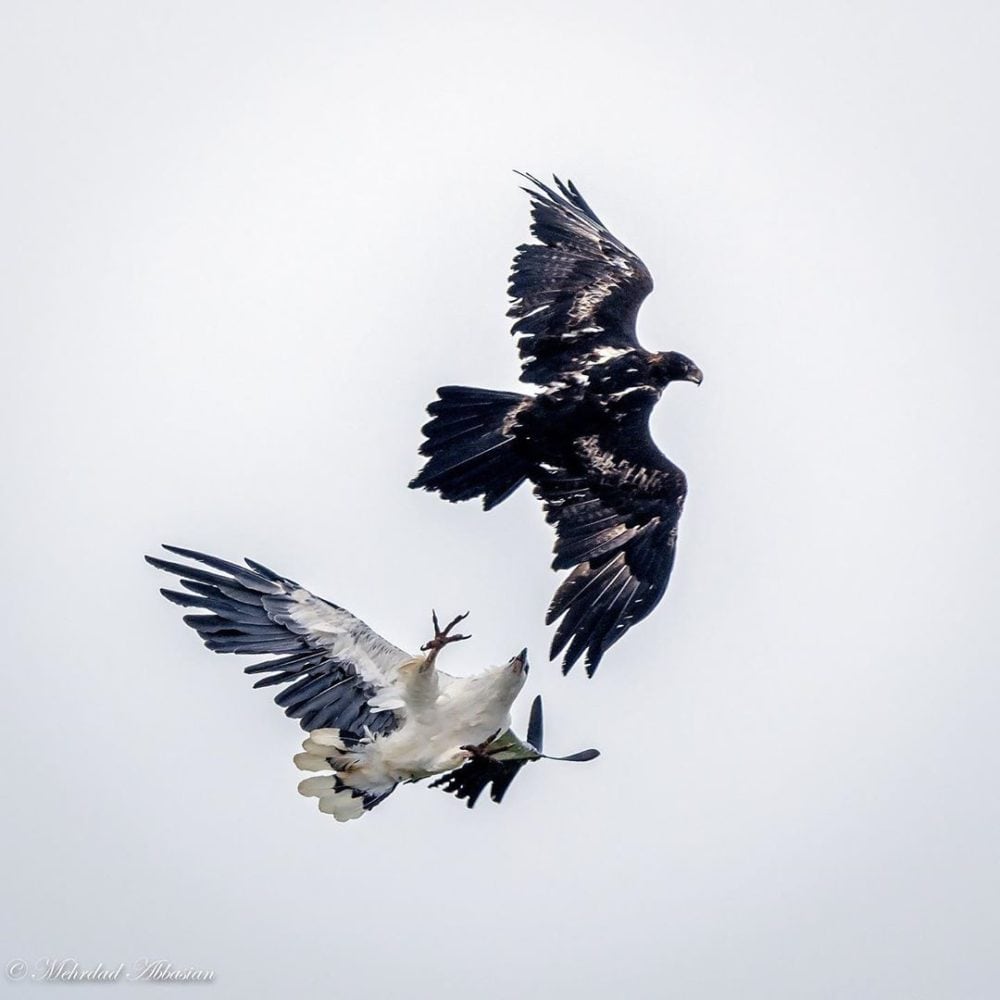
{"x":242,"y":245}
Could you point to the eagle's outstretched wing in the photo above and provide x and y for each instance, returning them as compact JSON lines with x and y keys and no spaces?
{"x":615,"y":510}
{"x":498,"y":765}
{"x":576,"y":291}
{"x":342,"y":673}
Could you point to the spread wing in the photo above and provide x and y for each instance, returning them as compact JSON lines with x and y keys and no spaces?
{"x":342,"y":674}
{"x":576,"y":291}
{"x":615,"y":509}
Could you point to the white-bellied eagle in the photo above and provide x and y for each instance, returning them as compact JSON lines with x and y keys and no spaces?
{"x":375,"y":715}
{"x":583,"y":440}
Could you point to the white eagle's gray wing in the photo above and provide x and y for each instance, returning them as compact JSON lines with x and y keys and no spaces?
{"x":343,"y":675}
{"x":576,"y":291}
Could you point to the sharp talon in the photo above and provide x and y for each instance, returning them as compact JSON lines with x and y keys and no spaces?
{"x":442,"y":636}
{"x":453,"y":623}
{"x":481,"y":749}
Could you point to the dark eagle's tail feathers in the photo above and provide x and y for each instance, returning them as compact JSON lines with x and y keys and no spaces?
{"x":469,"y":445}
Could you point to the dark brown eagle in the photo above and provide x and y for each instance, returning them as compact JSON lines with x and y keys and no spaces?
{"x":583,"y":440}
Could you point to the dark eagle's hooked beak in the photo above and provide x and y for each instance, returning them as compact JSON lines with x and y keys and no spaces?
{"x":672,"y":366}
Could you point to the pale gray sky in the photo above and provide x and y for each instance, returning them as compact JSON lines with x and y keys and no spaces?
{"x":244,"y":242}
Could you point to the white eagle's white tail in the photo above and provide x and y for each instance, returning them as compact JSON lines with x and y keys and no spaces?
{"x":325,"y":750}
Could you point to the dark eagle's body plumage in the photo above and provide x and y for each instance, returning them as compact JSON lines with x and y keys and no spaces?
{"x":583,"y":440}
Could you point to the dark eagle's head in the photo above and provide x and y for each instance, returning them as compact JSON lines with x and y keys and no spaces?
{"x":670,"y":366}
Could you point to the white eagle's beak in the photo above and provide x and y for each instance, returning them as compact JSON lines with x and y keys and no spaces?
{"x":520,"y":662}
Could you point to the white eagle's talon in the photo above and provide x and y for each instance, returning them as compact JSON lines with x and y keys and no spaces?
{"x":443,"y":636}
